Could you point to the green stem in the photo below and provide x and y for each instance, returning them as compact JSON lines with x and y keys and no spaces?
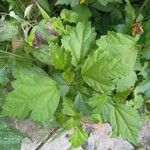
{"x":1,"y":6}
{"x":143,"y":5}
{"x":11,"y":54}
{"x":2,"y":13}
{"x":4,"y":56}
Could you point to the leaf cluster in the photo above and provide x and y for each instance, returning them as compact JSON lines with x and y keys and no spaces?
{"x":74,"y":60}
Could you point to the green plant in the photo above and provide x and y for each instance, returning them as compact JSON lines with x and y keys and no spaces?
{"x":85,"y":60}
{"x":10,"y":138}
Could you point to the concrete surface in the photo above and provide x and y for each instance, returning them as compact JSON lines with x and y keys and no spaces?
{"x":99,"y":138}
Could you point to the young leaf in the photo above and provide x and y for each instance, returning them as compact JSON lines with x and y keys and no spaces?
{"x":35,"y":93}
{"x":61,"y":118}
{"x":97,"y":102}
{"x":9,"y":137}
{"x":69,"y":16}
{"x":125,"y":122}
{"x":71,"y":123}
{"x":78,"y":137}
{"x":114,"y":59}
{"x":60,"y":59}
{"x":69,"y":75}
{"x":79,"y":41}
{"x":68,"y":107}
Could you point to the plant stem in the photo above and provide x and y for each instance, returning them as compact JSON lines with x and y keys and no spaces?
{"x":143,"y":5}
{"x":3,"y":13}
{"x":11,"y":54}
{"x":1,"y":6}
